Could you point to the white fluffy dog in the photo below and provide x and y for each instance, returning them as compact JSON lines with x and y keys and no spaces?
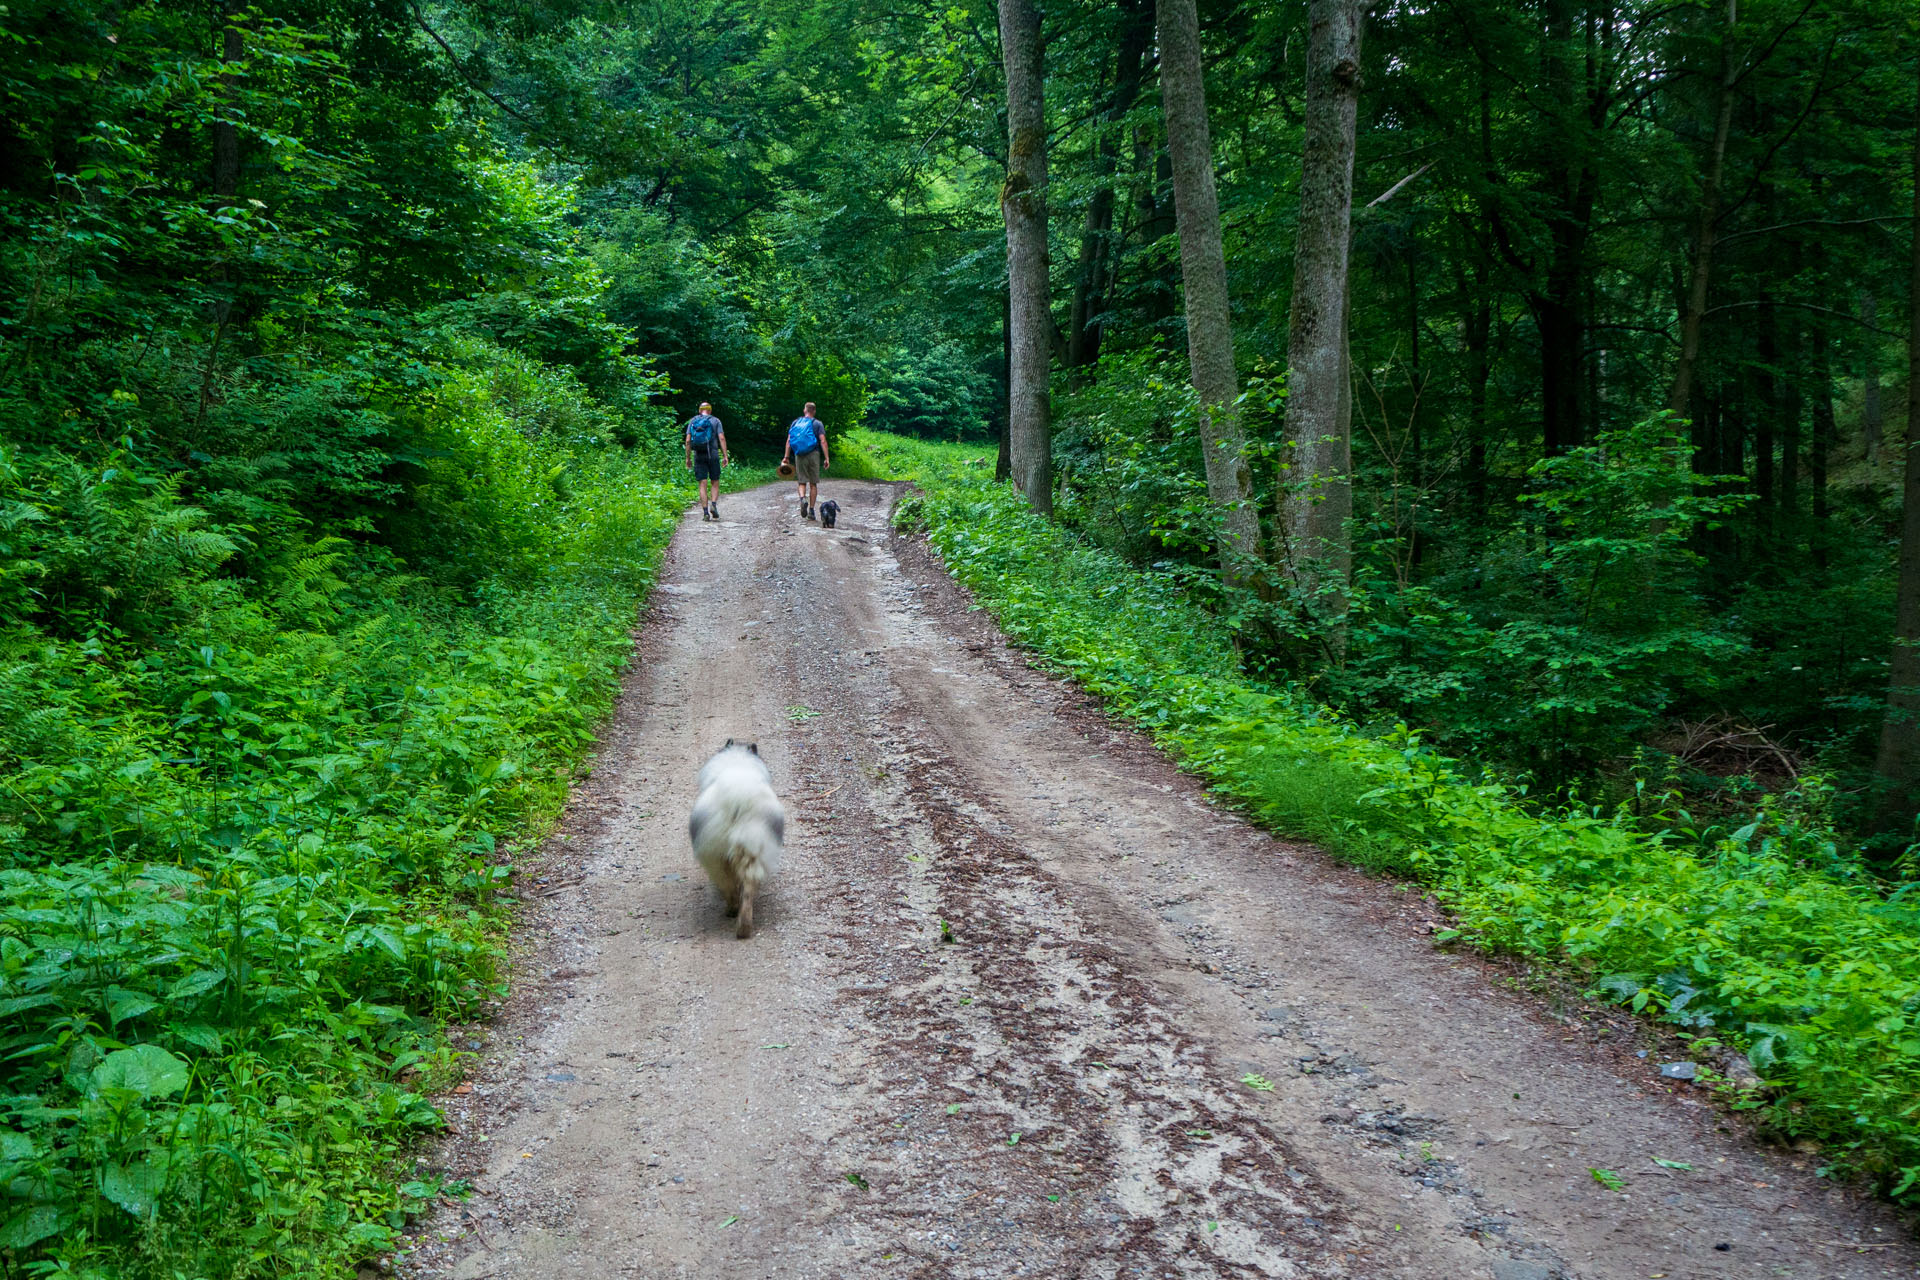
{"x":737,"y":826}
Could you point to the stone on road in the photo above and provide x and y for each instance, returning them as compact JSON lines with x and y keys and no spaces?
{"x":1024,"y":1002}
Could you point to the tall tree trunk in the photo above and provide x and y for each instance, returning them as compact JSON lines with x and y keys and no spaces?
{"x":1153,"y":219}
{"x":1558,"y":306}
{"x":1479,"y":368}
{"x":226,"y":134}
{"x":1872,"y":412}
{"x":1899,"y":761}
{"x":1790,"y":405}
{"x":1480,"y":319}
{"x":1203,"y":270}
{"x":226,"y":192}
{"x":1316,"y":493}
{"x":1416,"y":445}
{"x":1767,"y":376}
{"x":1820,"y":454}
{"x":1003,"y":465}
{"x":1093,"y":274}
{"x":1694,"y":312}
{"x":1023,"y":203}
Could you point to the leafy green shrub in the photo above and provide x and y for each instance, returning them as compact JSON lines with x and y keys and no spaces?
{"x":1758,"y":938}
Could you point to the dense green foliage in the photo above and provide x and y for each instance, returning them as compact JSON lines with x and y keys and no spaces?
{"x":1757,"y":937}
{"x":318,"y":558}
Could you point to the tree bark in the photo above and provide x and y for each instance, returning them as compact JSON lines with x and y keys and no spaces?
{"x":1479,"y":371}
{"x":226,"y":134}
{"x":1203,"y":272}
{"x":226,"y":191}
{"x":1872,"y":412}
{"x":1789,"y":418}
{"x":1003,"y":465}
{"x":1558,"y":303}
{"x":1316,"y":487}
{"x":1693,"y":314}
{"x":1093,"y":274}
{"x":1023,"y":204}
{"x":1152,"y":221}
{"x":1767,"y":379}
{"x":1899,"y":760}
{"x":1820,"y":454}
{"x":1562,"y":334}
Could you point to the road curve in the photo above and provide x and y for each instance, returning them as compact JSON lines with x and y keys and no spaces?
{"x":1066,"y":1078}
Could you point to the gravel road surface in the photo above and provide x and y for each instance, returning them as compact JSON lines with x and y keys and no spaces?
{"x":1025,"y":1002}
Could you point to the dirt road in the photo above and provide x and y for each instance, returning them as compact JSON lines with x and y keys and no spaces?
{"x":1068,"y":1076}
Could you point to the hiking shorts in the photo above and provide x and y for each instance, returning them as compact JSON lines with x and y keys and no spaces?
{"x":806,"y":467}
{"x":706,"y":466}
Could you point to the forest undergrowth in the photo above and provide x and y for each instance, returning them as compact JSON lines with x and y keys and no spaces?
{"x":1751,"y":938}
{"x":254,"y":862}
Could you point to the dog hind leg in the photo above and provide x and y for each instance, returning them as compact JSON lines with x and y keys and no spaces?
{"x":746,"y":913}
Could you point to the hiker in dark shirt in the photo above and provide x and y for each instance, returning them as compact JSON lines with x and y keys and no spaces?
{"x":706,"y":452}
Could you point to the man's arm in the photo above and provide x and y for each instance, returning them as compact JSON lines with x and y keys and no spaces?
{"x":686,"y":438}
{"x":826,"y":459}
{"x":725,"y":457}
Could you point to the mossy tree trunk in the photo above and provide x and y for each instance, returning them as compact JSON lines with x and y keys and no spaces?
{"x":1203,"y":275}
{"x":1316,"y":490}
{"x":1023,"y":204}
{"x":1899,"y":759}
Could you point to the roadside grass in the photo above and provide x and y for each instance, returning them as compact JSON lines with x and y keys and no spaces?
{"x":1744,"y":941}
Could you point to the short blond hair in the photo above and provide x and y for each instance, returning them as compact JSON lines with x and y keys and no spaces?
{"x":704,"y":406}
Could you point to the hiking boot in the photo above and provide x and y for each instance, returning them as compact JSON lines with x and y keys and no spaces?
{"x":705,"y":514}
{"x":716,"y":510}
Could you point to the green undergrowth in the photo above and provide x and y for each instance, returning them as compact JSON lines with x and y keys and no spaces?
{"x":255,"y":825}
{"x":1757,"y":939}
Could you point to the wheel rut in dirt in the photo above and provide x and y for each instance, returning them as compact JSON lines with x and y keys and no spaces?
{"x":1004,"y":915}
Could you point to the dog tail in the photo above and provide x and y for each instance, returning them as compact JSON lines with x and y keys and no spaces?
{"x":755,"y":855}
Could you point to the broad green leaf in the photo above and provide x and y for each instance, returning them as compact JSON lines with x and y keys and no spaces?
{"x":31,"y":1225}
{"x":196,"y":983}
{"x":123,"y":1004}
{"x":135,"y":1186}
{"x":145,"y":1070}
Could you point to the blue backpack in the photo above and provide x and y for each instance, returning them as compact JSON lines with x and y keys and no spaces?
{"x":700,"y":430}
{"x":804,"y":435}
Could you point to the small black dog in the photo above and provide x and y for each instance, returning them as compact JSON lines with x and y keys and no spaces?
{"x":829,"y":512}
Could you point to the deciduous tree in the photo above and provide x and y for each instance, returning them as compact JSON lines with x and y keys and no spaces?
{"x":1023,"y":205}
{"x":1317,"y":488}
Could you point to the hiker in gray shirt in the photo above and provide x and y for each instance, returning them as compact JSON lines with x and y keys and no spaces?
{"x":706,"y":453}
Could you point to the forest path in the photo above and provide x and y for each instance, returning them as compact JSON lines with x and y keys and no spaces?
{"x":661,"y":1100}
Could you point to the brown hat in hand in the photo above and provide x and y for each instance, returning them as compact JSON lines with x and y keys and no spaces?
{"x":786,"y":469}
